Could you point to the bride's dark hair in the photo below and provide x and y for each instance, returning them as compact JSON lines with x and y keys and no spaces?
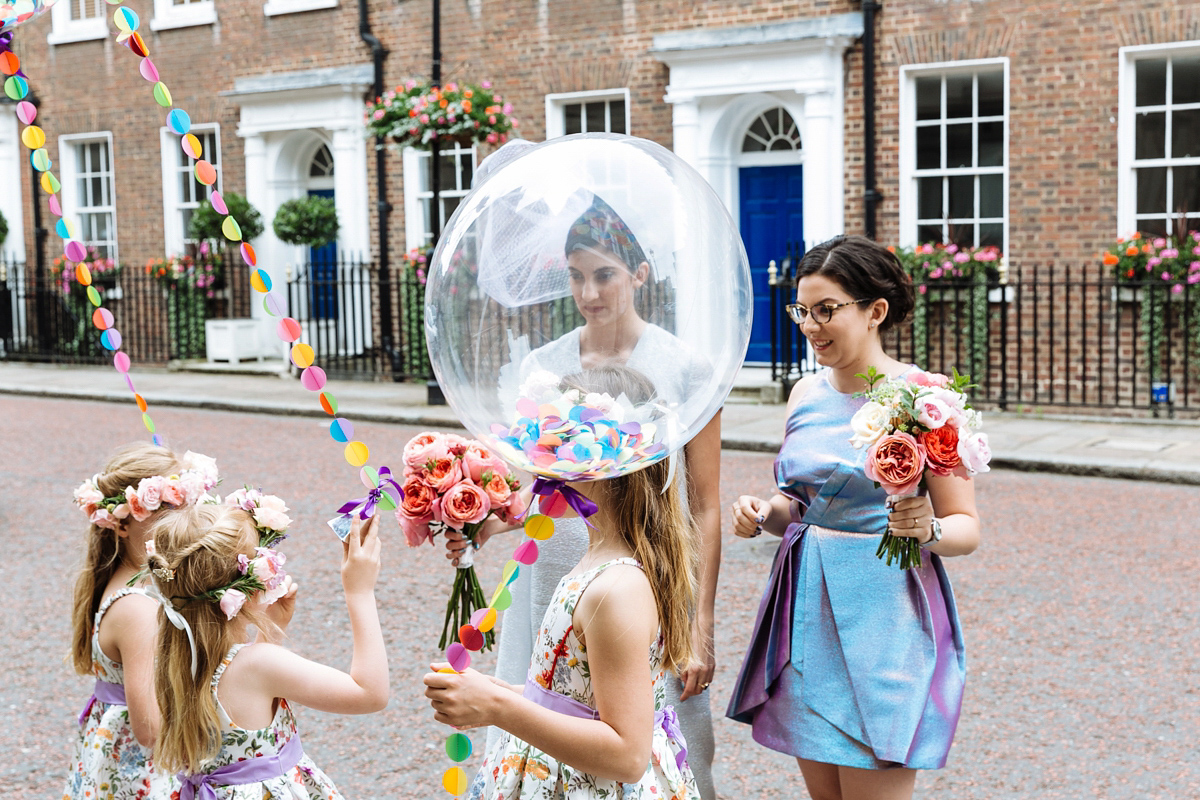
{"x":866,"y":270}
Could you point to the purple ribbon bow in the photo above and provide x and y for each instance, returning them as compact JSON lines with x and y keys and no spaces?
{"x":6,"y":46}
{"x":386,"y":484}
{"x":252,"y":770}
{"x":104,"y":692}
{"x":583,"y":506}
{"x":669,"y":720}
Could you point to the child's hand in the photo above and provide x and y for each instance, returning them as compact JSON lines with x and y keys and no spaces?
{"x":280,"y":612}
{"x":749,"y":513}
{"x":360,"y":557}
{"x":463,"y":699}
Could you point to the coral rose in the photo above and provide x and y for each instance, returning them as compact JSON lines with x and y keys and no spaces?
{"x":464,"y":504}
{"x":941,"y":449}
{"x":444,"y":473}
{"x":896,"y":462}
{"x":423,"y":448}
{"x":136,"y":509}
{"x":497,"y":490}
{"x":173,"y":493}
{"x":416,"y":511}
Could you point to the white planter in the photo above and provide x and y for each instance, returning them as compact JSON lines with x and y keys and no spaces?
{"x":1003,"y":294}
{"x":232,"y":340}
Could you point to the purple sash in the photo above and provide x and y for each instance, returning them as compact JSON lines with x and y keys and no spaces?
{"x":251,"y":770}
{"x":546,"y":698}
{"x":105,"y":692}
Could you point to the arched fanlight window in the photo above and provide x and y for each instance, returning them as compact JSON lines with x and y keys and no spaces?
{"x":322,"y":164}
{"x":773,"y":130}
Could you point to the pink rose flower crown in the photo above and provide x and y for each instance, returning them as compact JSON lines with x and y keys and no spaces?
{"x":189,"y":487}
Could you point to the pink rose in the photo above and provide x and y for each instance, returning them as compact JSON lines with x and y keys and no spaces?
{"x":150,"y":492}
{"x":101,"y":518}
{"x":444,"y":473}
{"x":173,"y":493}
{"x":232,"y":601}
{"x":464,"y":504}
{"x":931,"y":412}
{"x":516,"y":506}
{"x":193,"y":484}
{"x":923,"y":378}
{"x":121,"y":511}
{"x":270,"y":513}
{"x":496,"y":488}
{"x":896,"y":462}
{"x":88,"y":495}
{"x":478,"y":459}
{"x":457,"y":445}
{"x":134,"y":502}
{"x":416,"y":531}
{"x":975,"y":453}
{"x":423,"y":448}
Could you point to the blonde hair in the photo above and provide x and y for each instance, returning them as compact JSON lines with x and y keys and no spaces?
{"x":646,"y":513}
{"x":127,"y":467}
{"x":201,"y":545}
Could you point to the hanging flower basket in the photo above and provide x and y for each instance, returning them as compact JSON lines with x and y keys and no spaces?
{"x":417,"y":114}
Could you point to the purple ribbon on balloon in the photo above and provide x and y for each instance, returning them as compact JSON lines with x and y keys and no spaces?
{"x":6,"y":46}
{"x":582,"y":505}
{"x":367,"y":504}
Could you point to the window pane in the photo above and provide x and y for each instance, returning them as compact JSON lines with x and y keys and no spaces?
{"x":929,"y":147}
{"x":929,"y":198}
{"x":572,"y":118}
{"x":991,"y":195}
{"x":1151,"y":82}
{"x":1185,"y":133}
{"x":1185,"y":80}
{"x":958,"y":95}
{"x":929,"y":233}
{"x":595,"y":117}
{"x":466,"y":165}
{"x":958,"y":145}
{"x":616,"y":113}
{"x":449,"y":204}
{"x":759,"y":129}
{"x":963,"y":234}
{"x":446,"y":178}
{"x":991,"y":144}
{"x":752,"y":145}
{"x":991,"y":233}
{"x":929,"y":98}
{"x":962,"y":196}
{"x":1151,"y":190}
{"x":1153,"y":227}
{"x":991,"y":94}
{"x":1150,"y":135}
{"x":1186,"y":181}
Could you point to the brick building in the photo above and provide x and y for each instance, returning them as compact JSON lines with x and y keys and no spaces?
{"x":1044,"y":128}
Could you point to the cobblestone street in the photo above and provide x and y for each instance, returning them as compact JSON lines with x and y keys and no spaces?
{"x":1079,"y":614}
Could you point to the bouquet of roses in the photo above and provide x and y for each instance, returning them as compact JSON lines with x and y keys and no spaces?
{"x":913,"y":426}
{"x":451,"y":482}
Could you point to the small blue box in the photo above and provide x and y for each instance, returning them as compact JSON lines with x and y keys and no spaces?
{"x":1162,"y":392}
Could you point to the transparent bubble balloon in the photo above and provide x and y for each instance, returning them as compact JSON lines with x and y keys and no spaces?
{"x":588,"y":306}
{"x":18,"y":12}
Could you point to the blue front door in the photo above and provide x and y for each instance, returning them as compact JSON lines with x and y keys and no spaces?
{"x":323,"y":274}
{"x":772,"y":215}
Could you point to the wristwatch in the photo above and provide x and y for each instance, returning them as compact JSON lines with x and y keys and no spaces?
{"x":935,"y":530}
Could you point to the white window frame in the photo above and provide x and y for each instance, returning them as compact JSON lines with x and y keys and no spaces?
{"x":64,"y":30}
{"x":174,"y":235}
{"x":555,"y":103}
{"x":1126,"y":103}
{"x":908,"y":136}
{"x":273,"y":8}
{"x":416,"y":233}
{"x":167,"y":15}
{"x":69,"y":177}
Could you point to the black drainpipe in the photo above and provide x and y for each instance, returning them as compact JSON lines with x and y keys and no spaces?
{"x":871,"y":197}
{"x":382,"y":206}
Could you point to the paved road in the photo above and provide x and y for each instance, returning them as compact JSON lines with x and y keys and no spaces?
{"x":1080,"y":617}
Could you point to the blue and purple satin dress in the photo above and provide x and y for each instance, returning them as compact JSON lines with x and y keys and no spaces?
{"x":851,"y":662}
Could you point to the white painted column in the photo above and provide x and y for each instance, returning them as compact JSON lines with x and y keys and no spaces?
{"x":12,"y":174}
{"x":255,"y":149}
{"x":685,"y":121}
{"x":823,"y":180}
{"x":350,"y":192}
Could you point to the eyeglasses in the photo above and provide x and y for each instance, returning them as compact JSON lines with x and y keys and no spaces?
{"x":821,"y":312}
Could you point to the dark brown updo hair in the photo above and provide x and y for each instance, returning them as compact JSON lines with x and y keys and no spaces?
{"x":866,"y":270}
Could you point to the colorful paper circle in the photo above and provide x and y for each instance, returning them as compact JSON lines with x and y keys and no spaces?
{"x":329,"y":403}
{"x":33,"y":137}
{"x":218,"y":202}
{"x":539,"y":527}
{"x":357,"y":454}
{"x":74,"y":250}
{"x":302,"y":355}
{"x":470,"y":637}
{"x":141,"y":402}
{"x":16,"y":87}
{"x":9,"y":63}
{"x":503,"y":599}
{"x":342,"y":430}
{"x":369,"y":476}
{"x":248,"y":254}
{"x":458,"y":656}
{"x":273,"y":306}
{"x":50,"y":184}
{"x":83,"y":274}
{"x":150,"y":73}
{"x":313,"y":379}
{"x":137,"y":44}
{"x":455,"y":781}
{"x":65,"y":229}
{"x":94,"y":296}
{"x":149,"y":423}
{"x":162,"y":95}
{"x":178,"y":119}
{"x":26,"y":112}
{"x":288,"y":329}
{"x":260,"y":281}
{"x":231,"y":229}
{"x":40,"y":159}
{"x":121,"y":362}
{"x":54,"y":206}
{"x":458,"y":747}
{"x":111,"y":339}
{"x":126,"y":19}
{"x":206,"y":173}
{"x":488,"y":620}
{"x":526,"y":552}
{"x":102,"y":318}
{"x":191,"y":146}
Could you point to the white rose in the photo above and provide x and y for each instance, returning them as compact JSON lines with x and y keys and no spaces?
{"x":869,"y":423}
{"x":539,"y":384}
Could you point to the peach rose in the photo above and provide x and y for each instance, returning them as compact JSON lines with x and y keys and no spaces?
{"x":416,"y":511}
{"x":516,"y":506}
{"x":150,"y":492}
{"x":941,"y":449}
{"x":88,"y":495}
{"x":173,"y":493}
{"x":464,"y":504}
{"x":922,"y":378}
{"x":477,"y":460}
{"x":102,"y":519}
{"x":896,"y":462}
{"x":497,"y":490}
{"x":444,"y":473}
{"x":134,"y":502}
{"x":423,"y":448}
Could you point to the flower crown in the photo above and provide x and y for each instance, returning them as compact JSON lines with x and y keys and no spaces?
{"x":269,"y":513}
{"x":189,"y":487}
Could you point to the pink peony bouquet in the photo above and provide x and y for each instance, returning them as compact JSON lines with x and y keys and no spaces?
{"x":451,"y":482}
{"x":912,"y":426}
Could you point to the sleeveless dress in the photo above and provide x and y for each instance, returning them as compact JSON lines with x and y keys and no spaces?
{"x":108,"y":761}
{"x":559,"y":678}
{"x":851,"y":662}
{"x":284,"y":771}
{"x":678,"y":372}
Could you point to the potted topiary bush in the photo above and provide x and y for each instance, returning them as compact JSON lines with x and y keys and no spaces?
{"x":310,"y":221}
{"x":206,"y":221}
{"x":3,"y":228}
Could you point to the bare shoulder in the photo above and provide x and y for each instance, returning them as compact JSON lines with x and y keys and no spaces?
{"x":621,"y":592}
{"x":132,"y":610}
{"x":801,"y":388}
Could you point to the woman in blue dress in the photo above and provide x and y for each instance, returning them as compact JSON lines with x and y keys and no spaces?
{"x":855,"y":667}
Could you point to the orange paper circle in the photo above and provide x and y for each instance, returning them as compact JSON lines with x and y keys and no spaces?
{"x":83,"y":274}
{"x":206,"y":173}
{"x":141,"y":402}
{"x":302,"y":355}
{"x":9,"y":63}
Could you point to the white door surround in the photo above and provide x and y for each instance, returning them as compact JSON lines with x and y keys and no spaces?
{"x":722,"y":79}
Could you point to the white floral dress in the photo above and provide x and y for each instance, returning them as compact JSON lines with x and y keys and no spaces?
{"x":304,"y":781}
{"x":108,"y":761}
{"x":515,"y":770}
